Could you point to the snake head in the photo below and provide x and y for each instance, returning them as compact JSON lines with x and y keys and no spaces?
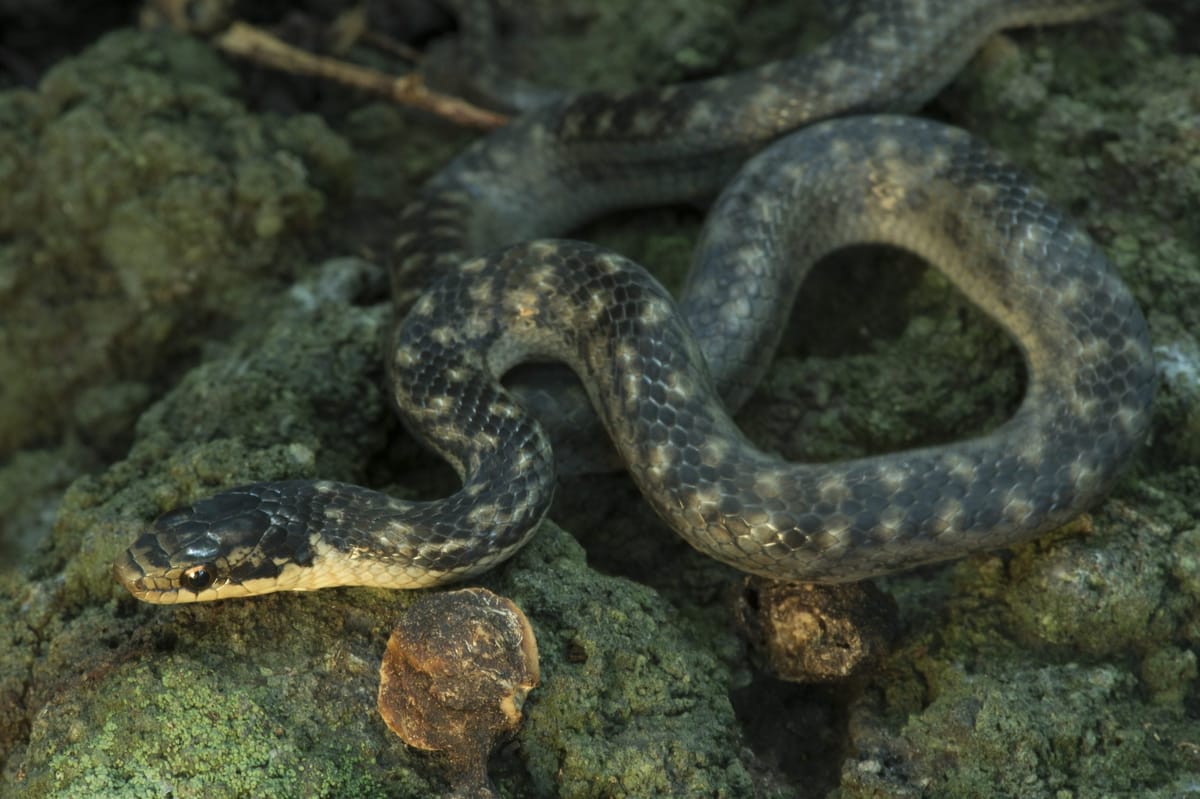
{"x":153,"y":574}
{"x":236,"y":543}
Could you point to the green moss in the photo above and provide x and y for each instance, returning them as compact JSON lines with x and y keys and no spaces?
{"x":188,"y":721}
{"x":1030,"y":733}
{"x":1186,"y":568}
{"x":173,"y":725}
{"x":629,"y":705}
{"x":138,"y":196}
{"x":1100,"y":596}
{"x":628,"y":45}
{"x":1169,"y":674}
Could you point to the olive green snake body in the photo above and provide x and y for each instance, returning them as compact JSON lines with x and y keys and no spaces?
{"x":661,"y":376}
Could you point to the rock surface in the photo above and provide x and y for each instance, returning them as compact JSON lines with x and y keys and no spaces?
{"x":174,"y":320}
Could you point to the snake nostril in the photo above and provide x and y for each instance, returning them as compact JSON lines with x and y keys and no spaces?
{"x":197,"y":578}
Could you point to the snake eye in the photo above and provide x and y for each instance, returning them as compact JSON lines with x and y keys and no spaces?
{"x":197,"y":578}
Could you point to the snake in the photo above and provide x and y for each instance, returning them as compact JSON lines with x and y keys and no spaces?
{"x":808,"y":155}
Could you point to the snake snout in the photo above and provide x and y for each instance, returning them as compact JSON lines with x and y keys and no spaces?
{"x":145,"y":569}
{"x":128,"y":573}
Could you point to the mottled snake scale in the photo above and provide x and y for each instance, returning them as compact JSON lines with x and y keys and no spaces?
{"x":661,"y":374}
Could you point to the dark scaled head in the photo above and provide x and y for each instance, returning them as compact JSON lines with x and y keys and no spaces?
{"x":248,"y":540}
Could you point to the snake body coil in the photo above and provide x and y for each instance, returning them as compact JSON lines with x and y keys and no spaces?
{"x":915,"y":184}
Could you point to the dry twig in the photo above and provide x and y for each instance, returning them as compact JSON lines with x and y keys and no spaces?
{"x":254,"y":44}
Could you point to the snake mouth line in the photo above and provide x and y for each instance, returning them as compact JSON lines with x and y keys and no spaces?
{"x":162,"y":590}
{"x":145,"y":572}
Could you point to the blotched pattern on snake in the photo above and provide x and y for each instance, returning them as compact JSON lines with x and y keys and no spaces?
{"x":661,"y":375}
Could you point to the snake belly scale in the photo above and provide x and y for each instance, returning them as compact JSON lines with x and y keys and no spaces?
{"x":660,"y":375}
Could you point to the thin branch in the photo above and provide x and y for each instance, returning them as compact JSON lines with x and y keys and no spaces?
{"x":254,"y":44}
